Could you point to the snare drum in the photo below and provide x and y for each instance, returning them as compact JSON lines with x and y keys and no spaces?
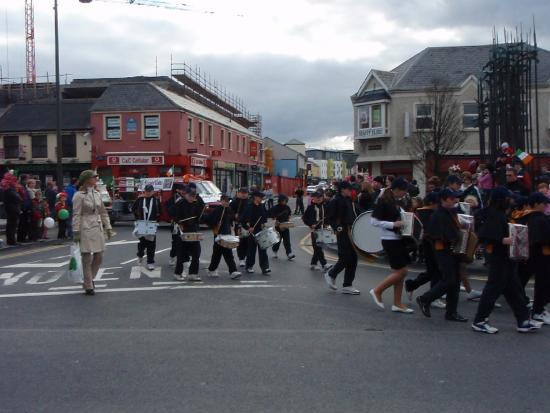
{"x":365,"y":236}
{"x":325,"y":236}
{"x":228,"y":241}
{"x":267,"y":238}
{"x":285,"y":225}
{"x":191,"y":236}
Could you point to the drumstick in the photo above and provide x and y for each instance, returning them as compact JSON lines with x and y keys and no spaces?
{"x":187,"y":219}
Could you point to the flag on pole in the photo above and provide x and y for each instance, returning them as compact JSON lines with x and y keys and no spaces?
{"x":170,"y":172}
{"x":524,"y":157}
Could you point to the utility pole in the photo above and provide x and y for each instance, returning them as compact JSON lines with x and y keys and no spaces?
{"x":59,"y":141}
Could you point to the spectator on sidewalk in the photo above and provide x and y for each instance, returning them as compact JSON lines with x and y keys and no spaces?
{"x":50,"y":195}
{"x":45,"y":213}
{"x":299,"y":193}
{"x":35,"y":230}
{"x":71,"y":190}
{"x":12,"y":204}
{"x":26,"y":208}
{"x":61,"y":223}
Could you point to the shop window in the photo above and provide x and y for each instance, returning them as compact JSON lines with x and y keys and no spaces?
{"x":210,"y":135}
{"x":151,"y":127}
{"x":11,"y":147}
{"x":112,"y":128}
{"x":201,"y":134}
{"x":190,"y":129}
{"x":39,"y":146}
{"x":68,"y":146}
{"x":222,"y":139}
{"x":424,"y":117}
{"x":229,"y":138}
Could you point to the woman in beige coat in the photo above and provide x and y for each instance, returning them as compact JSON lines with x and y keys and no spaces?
{"x":90,"y":226}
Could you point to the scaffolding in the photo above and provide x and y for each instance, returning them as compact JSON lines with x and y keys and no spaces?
{"x":198,"y":86}
{"x":508,"y":96}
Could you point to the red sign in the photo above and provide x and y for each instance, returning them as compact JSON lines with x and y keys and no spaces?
{"x":201,"y":162}
{"x":253,"y":149}
{"x":216,"y":152}
{"x":192,"y":150}
{"x":135,"y":160}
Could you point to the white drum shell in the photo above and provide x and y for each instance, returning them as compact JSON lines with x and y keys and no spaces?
{"x":267,"y":237}
{"x":365,"y":236}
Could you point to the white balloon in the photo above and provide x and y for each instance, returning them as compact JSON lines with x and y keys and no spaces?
{"x":49,"y":222}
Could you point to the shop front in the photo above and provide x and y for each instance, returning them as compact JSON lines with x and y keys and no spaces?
{"x":241,"y":175}
{"x":198,"y":165}
{"x":224,"y":176}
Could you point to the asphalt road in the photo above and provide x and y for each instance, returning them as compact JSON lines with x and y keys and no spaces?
{"x":282,"y":343}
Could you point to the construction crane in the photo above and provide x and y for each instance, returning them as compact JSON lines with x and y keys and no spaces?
{"x":30,"y":56}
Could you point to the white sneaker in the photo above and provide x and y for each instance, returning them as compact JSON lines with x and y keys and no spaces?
{"x":543,"y":317}
{"x":439,"y":304}
{"x":179,"y":277}
{"x":380,"y":304}
{"x":250,"y":270}
{"x":330,"y":281}
{"x":213,"y":274}
{"x":528,"y":326}
{"x":291,"y":256}
{"x":235,"y":275}
{"x":275,"y":255}
{"x":150,"y":267}
{"x":140,"y":260}
{"x":327,"y":267}
{"x":484,"y":327}
{"x":350,"y":290}
{"x":242,"y":263}
{"x":194,"y":277}
{"x":474,"y":295}
{"x":172,"y":262}
{"x":314,"y":267}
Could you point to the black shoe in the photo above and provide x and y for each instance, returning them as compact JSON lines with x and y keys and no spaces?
{"x":455,"y":317}
{"x":90,"y":292}
{"x":424,"y":307}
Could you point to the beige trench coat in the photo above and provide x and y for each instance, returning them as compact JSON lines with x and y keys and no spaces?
{"x":90,"y":218}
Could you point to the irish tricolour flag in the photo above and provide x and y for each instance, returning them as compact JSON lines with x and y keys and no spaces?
{"x":524,"y":156}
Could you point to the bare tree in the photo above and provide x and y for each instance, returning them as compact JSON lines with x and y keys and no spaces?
{"x":438,"y":127}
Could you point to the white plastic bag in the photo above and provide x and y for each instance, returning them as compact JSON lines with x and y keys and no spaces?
{"x":75,"y":272}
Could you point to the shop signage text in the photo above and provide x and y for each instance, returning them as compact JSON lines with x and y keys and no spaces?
{"x":368,"y":133}
{"x":253,"y":149}
{"x":135,"y":160}
{"x":216,"y":152}
{"x":201,"y":162}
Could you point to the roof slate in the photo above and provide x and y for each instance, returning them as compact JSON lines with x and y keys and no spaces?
{"x":40,"y":117}
{"x":132,"y":97}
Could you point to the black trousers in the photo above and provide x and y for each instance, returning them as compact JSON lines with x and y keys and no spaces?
{"x":347,"y":259}
{"x":145,"y":245}
{"x":449,"y":283}
{"x":251,"y":255}
{"x":524,"y":270}
{"x":299,"y":206}
{"x":285,"y":239}
{"x":502,"y":280}
{"x":432,"y":273}
{"x":62,"y":229}
{"x":175,"y":238}
{"x":318,"y":253}
{"x":217,"y":252}
{"x":541,"y":265}
{"x":12,"y":221}
{"x":184,"y":251}
{"x":242,"y":249}
{"x":23,"y":228}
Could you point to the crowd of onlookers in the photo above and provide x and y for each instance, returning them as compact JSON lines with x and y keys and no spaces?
{"x":27,"y":206}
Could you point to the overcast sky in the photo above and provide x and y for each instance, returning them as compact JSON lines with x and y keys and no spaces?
{"x":294,"y":61}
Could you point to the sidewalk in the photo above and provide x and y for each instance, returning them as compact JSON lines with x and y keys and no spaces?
{"x":52,"y":239}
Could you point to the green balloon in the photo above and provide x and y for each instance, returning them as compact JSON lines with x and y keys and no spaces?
{"x":63,"y":214}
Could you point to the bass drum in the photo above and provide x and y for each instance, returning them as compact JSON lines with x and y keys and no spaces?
{"x":365,"y":236}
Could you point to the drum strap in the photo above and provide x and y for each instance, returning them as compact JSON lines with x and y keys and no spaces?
{"x":217,"y":230}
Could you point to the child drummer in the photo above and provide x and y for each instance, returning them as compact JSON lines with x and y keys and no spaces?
{"x":220,"y":221}
{"x":281,"y":214}
{"x":253,"y":220}
{"x":314,"y":218}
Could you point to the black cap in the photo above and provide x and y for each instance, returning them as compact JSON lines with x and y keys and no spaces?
{"x":521,"y":201}
{"x":149,"y":188}
{"x":400,"y":183}
{"x":243,"y":190}
{"x":448,"y":193}
{"x":190,"y":190}
{"x":344,"y":185}
{"x":258,"y":194}
{"x":192,"y":185}
{"x":379,"y":179}
{"x":317,"y":194}
{"x":500,"y":193}
{"x":178,"y":185}
{"x":282,"y":197}
{"x":431,"y":198}
{"x":538,"y":198}
{"x":453,"y":179}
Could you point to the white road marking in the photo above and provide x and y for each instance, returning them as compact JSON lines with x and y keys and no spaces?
{"x":10,"y":279}
{"x":102,"y":272}
{"x":135,"y":259}
{"x":168,"y":282}
{"x":254,"y":282}
{"x":74,"y":287}
{"x":43,"y":265}
{"x":136,"y":272}
{"x":121,"y":242}
{"x":35,"y":279}
{"x":141,"y":289}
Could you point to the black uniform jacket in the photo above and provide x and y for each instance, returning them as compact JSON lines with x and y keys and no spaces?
{"x":342,"y":212}
{"x":151,"y":203}
{"x":424,"y":215}
{"x":539,"y":232}
{"x":443,"y":226}
{"x":253,"y":216}
{"x":220,"y":220}
{"x":238,"y":206}
{"x":315,"y":214}
{"x":187,"y":214}
{"x":280,"y":213}
{"x":493,"y":229}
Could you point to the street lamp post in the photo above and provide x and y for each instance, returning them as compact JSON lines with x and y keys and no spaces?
{"x":59,"y":139}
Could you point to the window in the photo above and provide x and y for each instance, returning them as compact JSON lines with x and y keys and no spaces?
{"x":11,"y":147}
{"x":112,"y":128}
{"x":151,"y":127}
{"x":222,"y":139}
{"x":238,"y":142}
{"x":244,"y":145}
{"x":68,"y":146}
{"x":372,"y":120}
{"x":229,"y":140}
{"x":39,"y":146}
{"x":201,"y":134}
{"x":470,"y":116}
{"x":210,"y":136}
{"x":376,"y":112}
{"x":190,"y":129}
{"x":424,"y":118}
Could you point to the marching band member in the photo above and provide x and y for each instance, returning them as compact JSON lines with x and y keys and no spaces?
{"x":442,"y":230}
{"x":315,"y":218}
{"x":539,"y":242}
{"x":281,"y":213}
{"x":188,"y":213}
{"x":253,"y":219}
{"x":387,"y":216}
{"x":238,"y":205}
{"x":342,"y":214}
{"x":177,"y":195}
{"x":220,"y":220}
{"x":147,"y":208}
{"x":502,"y":278}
